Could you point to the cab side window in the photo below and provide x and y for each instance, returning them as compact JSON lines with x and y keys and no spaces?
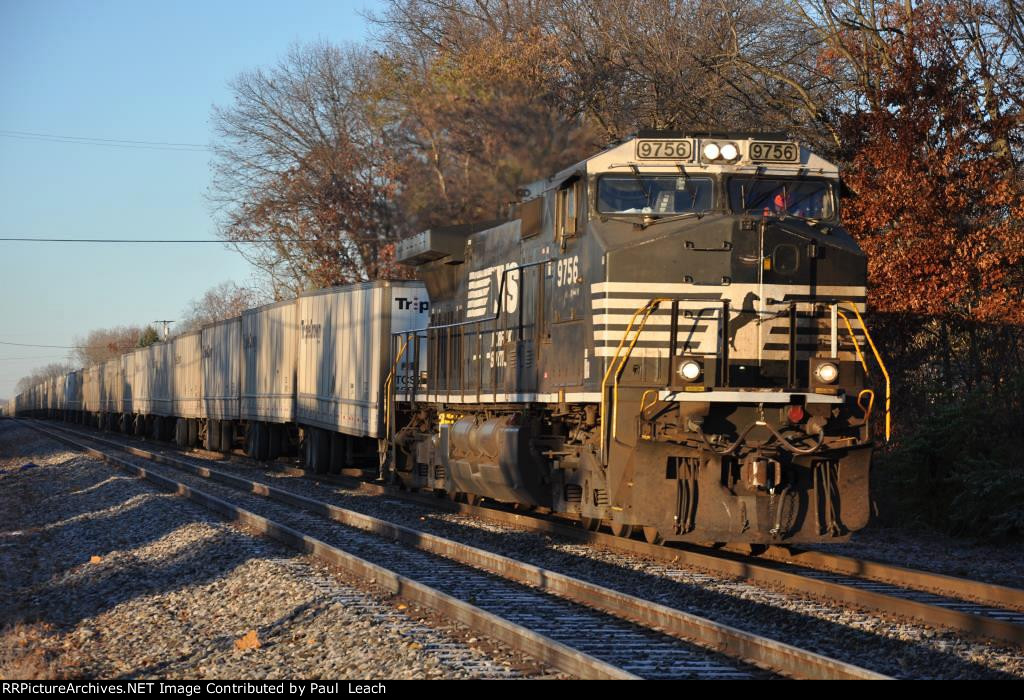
{"x":567,"y":210}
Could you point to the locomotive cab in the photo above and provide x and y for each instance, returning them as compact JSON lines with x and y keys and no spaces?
{"x":668,"y":338}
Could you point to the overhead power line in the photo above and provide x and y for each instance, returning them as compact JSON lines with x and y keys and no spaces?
{"x":24,"y":239}
{"x":121,"y":240}
{"x":109,"y":143}
{"x":35,"y":345}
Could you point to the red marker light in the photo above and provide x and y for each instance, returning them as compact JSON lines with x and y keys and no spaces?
{"x":795,"y":414}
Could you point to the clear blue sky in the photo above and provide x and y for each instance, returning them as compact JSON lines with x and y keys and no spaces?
{"x":131,"y":71}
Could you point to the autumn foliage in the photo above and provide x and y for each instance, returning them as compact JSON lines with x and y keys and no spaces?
{"x":937,"y":205}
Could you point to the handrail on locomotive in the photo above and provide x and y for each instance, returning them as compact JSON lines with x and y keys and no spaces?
{"x":618,"y":360}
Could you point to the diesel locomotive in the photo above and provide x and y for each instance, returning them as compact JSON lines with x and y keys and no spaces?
{"x":667,"y":337}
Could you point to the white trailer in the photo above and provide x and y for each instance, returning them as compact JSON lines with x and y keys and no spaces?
{"x":343,"y":360}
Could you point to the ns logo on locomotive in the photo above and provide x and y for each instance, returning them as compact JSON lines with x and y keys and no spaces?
{"x":668,"y":336}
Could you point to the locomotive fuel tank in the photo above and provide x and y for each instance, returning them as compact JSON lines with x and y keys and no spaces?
{"x":493,"y":456}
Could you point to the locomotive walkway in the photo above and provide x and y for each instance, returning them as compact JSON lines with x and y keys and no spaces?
{"x":579,"y":627}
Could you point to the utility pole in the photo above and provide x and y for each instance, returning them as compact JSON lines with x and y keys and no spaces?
{"x":167,"y":328}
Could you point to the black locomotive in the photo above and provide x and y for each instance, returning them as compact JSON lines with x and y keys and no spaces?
{"x":668,"y":336}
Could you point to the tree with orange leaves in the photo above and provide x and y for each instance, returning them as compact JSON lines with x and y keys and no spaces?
{"x":937,"y":204}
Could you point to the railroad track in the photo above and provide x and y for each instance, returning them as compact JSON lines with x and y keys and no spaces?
{"x":970,"y":607}
{"x":576,"y":626}
{"x":977,"y":608}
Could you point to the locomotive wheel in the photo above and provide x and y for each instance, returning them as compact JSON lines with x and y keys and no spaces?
{"x":158,"y":427}
{"x":472,"y":499}
{"x":180,"y":432}
{"x":140,"y":426}
{"x":193,"y":432}
{"x":652,"y":535}
{"x":591,"y":524}
{"x":621,"y":530}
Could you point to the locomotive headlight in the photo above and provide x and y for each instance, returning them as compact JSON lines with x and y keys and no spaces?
{"x":711,"y":151}
{"x":729,"y":151}
{"x":690,"y":370}
{"x":826,"y":372}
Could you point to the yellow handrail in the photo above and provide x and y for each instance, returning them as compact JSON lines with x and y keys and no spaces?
{"x":643,"y":408}
{"x":871,"y":402}
{"x":608,"y":372}
{"x":387,"y":390}
{"x":885,"y":372}
{"x":625,"y":358}
{"x":853,"y":339}
{"x":646,"y":309}
{"x":643,"y":400}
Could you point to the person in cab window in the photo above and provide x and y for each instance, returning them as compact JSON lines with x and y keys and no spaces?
{"x":778,"y":204}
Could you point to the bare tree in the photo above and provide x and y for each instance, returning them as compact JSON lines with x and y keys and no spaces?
{"x":301,"y":176}
{"x":104,"y":343}
{"x":41,"y":374}
{"x":225,"y":300}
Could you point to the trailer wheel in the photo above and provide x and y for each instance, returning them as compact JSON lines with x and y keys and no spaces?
{"x":227,"y":435}
{"x":274,"y":440}
{"x":250,"y":439}
{"x":213,"y":435}
{"x":257,"y":440}
{"x":180,"y":433}
{"x":318,"y":450}
{"x":338,"y":452}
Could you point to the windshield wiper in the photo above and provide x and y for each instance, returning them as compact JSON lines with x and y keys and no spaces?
{"x":809,"y":219}
{"x":619,"y":217}
{"x":651,"y":220}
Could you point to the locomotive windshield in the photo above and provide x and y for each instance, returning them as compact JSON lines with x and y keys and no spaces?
{"x":652,"y":194}
{"x":807,"y":198}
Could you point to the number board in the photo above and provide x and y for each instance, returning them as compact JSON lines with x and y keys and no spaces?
{"x":661,"y":149}
{"x":774,"y":152}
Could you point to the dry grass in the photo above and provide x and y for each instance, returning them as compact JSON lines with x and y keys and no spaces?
{"x":30,"y":652}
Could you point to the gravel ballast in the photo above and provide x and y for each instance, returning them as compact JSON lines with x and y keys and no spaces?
{"x":884,"y":643}
{"x":105,"y":577}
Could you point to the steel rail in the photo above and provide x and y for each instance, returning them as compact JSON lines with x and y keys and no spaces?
{"x":743,"y":564}
{"x":928,"y":581}
{"x":733,"y":642}
{"x":755,"y":568}
{"x":536,"y":645}
{"x":760,"y":569}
